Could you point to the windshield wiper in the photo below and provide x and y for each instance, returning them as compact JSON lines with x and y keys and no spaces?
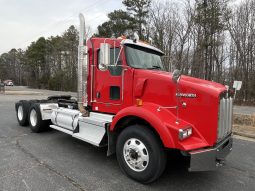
{"x":154,"y":67}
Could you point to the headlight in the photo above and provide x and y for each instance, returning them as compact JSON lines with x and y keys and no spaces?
{"x":185,"y":133}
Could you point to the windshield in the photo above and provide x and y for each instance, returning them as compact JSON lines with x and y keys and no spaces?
{"x":143,"y":58}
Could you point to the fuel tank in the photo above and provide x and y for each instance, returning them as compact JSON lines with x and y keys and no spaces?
{"x":65,"y":118}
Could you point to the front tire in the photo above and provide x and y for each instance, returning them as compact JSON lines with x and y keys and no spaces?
{"x":140,"y":154}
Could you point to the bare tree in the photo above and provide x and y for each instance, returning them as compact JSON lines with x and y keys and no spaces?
{"x":241,"y":27}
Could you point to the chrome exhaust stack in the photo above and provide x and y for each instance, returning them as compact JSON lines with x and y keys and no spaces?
{"x":82,"y":67}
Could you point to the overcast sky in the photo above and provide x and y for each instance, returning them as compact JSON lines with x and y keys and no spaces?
{"x":23,"y":21}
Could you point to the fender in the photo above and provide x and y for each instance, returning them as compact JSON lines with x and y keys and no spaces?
{"x":164,"y":123}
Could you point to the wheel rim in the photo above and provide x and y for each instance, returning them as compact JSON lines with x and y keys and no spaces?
{"x":136,"y":154}
{"x":20,"y":113}
{"x":33,"y":117}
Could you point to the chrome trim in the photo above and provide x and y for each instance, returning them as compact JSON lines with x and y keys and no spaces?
{"x":123,"y":84}
{"x":136,"y":155}
{"x":225,"y":117}
{"x":116,"y":62}
{"x":170,"y":107}
{"x":47,"y":109}
{"x":211,"y":158}
{"x":186,"y":129}
{"x":115,"y":104}
{"x":82,"y":66}
{"x":92,"y":83}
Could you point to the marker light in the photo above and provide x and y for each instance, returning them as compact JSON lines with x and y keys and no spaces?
{"x":139,"y":102}
{"x":185,"y":133}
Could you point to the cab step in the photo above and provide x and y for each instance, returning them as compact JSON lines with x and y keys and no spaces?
{"x":62,"y":129}
{"x":92,"y":129}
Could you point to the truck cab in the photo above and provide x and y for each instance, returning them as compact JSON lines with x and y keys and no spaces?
{"x":138,"y":109}
{"x":112,"y":88}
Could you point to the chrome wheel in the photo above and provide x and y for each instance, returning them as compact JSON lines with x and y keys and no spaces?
{"x":136,"y":154}
{"x":33,"y":117}
{"x":20,"y":113}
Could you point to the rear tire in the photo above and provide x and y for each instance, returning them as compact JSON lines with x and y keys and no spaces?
{"x":140,"y":154}
{"x":36,"y":123}
{"x":22,"y":110}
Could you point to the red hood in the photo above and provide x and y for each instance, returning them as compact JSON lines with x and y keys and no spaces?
{"x":205,"y":86}
{"x":200,"y":96}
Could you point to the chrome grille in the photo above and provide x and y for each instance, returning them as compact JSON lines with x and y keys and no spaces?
{"x":225,"y":117}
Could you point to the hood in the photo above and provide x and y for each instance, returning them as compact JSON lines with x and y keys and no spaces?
{"x":198,"y":99}
{"x":203,"y":86}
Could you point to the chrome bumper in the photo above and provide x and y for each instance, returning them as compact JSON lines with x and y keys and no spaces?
{"x":212,"y":158}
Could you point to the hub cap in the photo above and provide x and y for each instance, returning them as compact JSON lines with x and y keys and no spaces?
{"x":20,"y":113}
{"x":33,"y":117}
{"x":136,"y":154}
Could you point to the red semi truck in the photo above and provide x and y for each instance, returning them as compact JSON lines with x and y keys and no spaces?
{"x":127,"y":102}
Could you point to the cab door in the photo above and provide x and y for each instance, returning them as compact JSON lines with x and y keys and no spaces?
{"x":109,"y":95}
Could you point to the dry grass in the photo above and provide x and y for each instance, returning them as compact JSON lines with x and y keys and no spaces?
{"x":247,"y":120}
{"x":244,"y":125}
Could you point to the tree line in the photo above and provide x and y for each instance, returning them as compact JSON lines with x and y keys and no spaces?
{"x":208,"y":39}
{"x":46,"y":63}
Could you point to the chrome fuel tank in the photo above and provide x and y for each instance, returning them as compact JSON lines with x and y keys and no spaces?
{"x":66,"y":118}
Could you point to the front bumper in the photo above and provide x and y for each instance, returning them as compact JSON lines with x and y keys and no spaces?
{"x":212,"y":158}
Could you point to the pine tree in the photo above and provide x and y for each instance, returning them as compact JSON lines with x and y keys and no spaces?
{"x":139,"y":10}
{"x":120,"y":22}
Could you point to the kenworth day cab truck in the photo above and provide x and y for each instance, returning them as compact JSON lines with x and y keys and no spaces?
{"x":127,"y":102}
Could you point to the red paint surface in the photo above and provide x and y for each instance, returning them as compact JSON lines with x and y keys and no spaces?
{"x":157,"y":89}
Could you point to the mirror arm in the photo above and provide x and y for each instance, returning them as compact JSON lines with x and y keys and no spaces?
{"x":176,"y":77}
{"x":118,"y":56}
{"x":178,"y":101}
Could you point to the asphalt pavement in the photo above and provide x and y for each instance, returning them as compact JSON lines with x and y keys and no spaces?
{"x":55,"y":161}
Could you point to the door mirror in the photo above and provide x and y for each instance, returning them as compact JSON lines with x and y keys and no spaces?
{"x":104,"y":61}
{"x":176,"y":76}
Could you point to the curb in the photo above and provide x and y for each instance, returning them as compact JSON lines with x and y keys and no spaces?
{"x":244,"y":135}
{"x":21,"y":93}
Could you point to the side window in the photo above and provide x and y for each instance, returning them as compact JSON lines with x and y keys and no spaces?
{"x":114,"y":70}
